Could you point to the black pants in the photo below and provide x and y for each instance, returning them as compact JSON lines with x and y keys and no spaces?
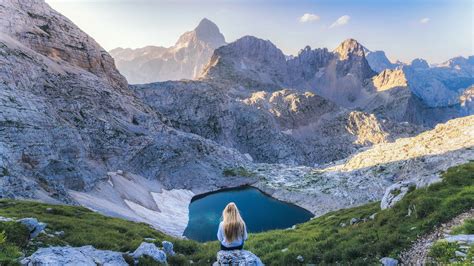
{"x":232,"y":248}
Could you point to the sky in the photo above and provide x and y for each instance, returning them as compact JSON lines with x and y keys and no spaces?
{"x":435,"y":30}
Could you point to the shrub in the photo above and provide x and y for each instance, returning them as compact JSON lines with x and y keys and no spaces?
{"x":466,"y":228}
{"x":442,"y":251}
{"x":238,"y":171}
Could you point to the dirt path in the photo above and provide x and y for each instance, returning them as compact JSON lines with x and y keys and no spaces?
{"x":417,"y":254}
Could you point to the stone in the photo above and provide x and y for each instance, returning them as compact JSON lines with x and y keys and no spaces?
{"x":168,"y":248}
{"x":300,"y":258}
{"x":151,"y":250}
{"x":6,"y":219}
{"x":372,"y":217}
{"x":33,"y":225}
{"x":237,"y":258}
{"x":395,"y":193}
{"x":467,"y":239}
{"x":386,"y":261}
{"x":354,"y":221}
{"x":86,"y":255}
{"x":460,"y":254}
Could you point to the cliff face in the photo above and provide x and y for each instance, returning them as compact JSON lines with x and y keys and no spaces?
{"x":67,"y":116}
{"x":38,"y":27}
{"x":256,"y":64}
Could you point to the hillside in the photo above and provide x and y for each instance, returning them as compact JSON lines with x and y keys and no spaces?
{"x":371,"y":235}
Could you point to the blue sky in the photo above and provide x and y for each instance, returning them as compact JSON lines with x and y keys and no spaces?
{"x":435,"y":30}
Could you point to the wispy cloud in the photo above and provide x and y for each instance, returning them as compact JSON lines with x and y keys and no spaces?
{"x":424,"y":20}
{"x":340,"y":21}
{"x":308,"y":17}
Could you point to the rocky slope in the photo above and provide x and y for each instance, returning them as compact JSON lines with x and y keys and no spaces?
{"x":378,"y":61}
{"x":364,"y":176}
{"x":280,"y":127}
{"x":67,"y":117}
{"x":184,"y":60}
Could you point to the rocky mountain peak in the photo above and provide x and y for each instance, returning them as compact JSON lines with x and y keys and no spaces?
{"x":348,"y":48}
{"x":419,"y":63}
{"x":206,"y":32}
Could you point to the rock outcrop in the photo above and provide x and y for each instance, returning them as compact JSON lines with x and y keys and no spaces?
{"x":237,"y":258}
{"x":379,"y":62}
{"x":149,"y":249}
{"x":86,"y":255}
{"x":395,"y":193}
{"x":185,"y":60}
{"x":34,"y":226}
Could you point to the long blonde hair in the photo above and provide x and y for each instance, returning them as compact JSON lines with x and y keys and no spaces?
{"x":233,"y":223}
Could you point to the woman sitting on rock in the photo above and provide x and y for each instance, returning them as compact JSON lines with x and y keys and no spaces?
{"x":232,"y":230}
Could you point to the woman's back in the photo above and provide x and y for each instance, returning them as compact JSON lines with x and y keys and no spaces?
{"x":232,"y":231}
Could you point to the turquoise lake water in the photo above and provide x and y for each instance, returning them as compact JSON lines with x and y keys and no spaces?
{"x":260,"y":212}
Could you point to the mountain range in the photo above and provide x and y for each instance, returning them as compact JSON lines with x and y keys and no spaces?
{"x":184,"y":60}
{"x":323,"y":128}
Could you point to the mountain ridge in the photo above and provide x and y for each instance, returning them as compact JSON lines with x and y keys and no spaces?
{"x":184,"y":60}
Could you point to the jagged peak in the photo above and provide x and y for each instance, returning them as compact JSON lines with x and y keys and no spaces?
{"x":350,"y":47}
{"x":207,"y":24}
{"x":206,"y":31}
{"x":252,"y":42}
{"x":419,"y":63}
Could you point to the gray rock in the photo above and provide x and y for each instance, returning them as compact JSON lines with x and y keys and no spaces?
{"x":237,"y":258}
{"x":300,"y":258}
{"x":5,"y":219}
{"x":168,"y":248}
{"x":354,"y":221}
{"x":395,"y":193}
{"x":460,"y":254}
{"x":33,"y":225}
{"x":87,"y":255}
{"x":372,"y":217}
{"x":386,"y":261}
{"x":151,"y":250}
{"x":466,"y":239}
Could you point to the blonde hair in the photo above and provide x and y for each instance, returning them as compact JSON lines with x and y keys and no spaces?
{"x":233,"y":224}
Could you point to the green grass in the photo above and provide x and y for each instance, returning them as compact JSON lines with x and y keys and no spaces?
{"x":467,"y":228}
{"x":238,"y":171}
{"x":320,"y":241}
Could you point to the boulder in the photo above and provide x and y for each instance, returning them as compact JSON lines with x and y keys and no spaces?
{"x":86,"y":255}
{"x":354,"y":221}
{"x":386,"y":261}
{"x":395,"y":193}
{"x":150,"y":250}
{"x":237,"y":258}
{"x":467,"y":239}
{"x":168,"y":248}
{"x":5,"y":219}
{"x":33,"y":225}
